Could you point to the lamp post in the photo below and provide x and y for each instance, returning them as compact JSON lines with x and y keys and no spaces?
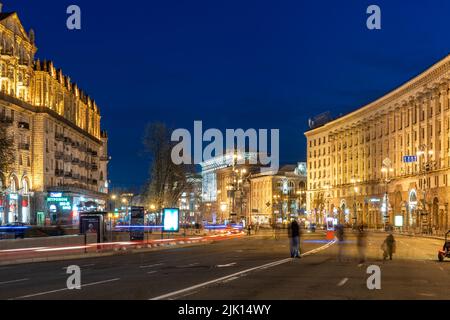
{"x":428,"y":164}
{"x":354,"y":181}
{"x":386,"y":170}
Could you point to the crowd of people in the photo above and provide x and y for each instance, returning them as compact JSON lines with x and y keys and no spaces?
{"x":388,"y":246}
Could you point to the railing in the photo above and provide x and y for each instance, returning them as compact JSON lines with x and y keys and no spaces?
{"x":24,"y":146}
{"x":59,"y":137}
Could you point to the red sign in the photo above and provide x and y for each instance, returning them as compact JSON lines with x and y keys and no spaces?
{"x":24,"y":203}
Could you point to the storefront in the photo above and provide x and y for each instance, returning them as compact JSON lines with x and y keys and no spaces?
{"x":64,"y":208}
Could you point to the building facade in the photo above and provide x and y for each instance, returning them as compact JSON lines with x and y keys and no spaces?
{"x":387,"y":162}
{"x":278,"y":196}
{"x":61,"y":157}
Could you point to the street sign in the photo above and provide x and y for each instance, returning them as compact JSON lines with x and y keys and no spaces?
{"x":409,"y":159}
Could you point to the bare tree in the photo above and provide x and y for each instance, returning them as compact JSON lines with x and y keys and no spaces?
{"x":167,"y":180}
{"x":6,"y":150}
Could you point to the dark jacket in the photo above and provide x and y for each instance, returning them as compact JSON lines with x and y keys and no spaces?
{"x":294,"y":230}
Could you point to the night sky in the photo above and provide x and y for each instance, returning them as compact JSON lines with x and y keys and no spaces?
{"x":232,"y":64}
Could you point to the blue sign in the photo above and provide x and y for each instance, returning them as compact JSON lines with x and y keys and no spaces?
{"x":409,"y":159}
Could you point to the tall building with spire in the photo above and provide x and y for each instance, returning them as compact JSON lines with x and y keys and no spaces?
{"x":61,"y":155}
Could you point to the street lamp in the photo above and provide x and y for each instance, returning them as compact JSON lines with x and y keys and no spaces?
{"x":386,"y":170}
{"x":428,"y":164}
{"x":354,"y":181}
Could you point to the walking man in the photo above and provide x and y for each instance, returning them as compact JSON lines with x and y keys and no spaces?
{"x":294,"y":239}
{"x":388,"y":247}
{"x":361,"y":243}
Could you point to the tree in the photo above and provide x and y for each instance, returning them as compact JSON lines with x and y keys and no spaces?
{"x":167,"y":180}
{"x":7,"y":150}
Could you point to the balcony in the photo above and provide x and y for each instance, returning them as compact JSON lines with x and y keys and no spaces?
{"x":94,"y":167}
{"x":59,"y":137}
{"x":59,"y":173}
{"x":6,"y":120}
{"x":68,"y":174}
{"x":67,"y":158}
{"x":24,"y":146}
{"x":67,"y":141}
{"x":75,"y":161}
{"x":59,"y":155}
{"x":23,"y":125}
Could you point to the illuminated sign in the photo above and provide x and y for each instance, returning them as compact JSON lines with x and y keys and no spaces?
{"x":13,"y":196}
{"x":57,"y":199}
{"x":399,"y":221}
{"x":171,"y":219}
{"x":55,"y":194}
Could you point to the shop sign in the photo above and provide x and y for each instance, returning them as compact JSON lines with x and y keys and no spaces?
{"x":50,"y":199}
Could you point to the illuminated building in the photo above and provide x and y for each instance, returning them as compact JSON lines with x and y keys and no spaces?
{"x":387,"y":161}
{"x":61,"y":159}
{"x":278,"y":196}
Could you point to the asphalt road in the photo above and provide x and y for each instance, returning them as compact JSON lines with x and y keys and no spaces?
{"x":247,"y":268}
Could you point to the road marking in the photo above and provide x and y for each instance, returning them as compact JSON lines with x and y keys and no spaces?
{"x":189,"y":265}
{"x":226,"y":265}
{"x":343,"y":281}
{"x":14,"y":281}
{"x":151,"y":272}
{"x":427,"y":294}
{"x":152,"y":265}
{"x":230,"y":279}
{"x":64,"y":289}
{"x":222,"y":279}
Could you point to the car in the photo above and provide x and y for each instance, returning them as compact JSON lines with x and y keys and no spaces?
{"x":18,"y":229}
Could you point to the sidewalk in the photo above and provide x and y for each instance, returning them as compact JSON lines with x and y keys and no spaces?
{"x":409,"y":234}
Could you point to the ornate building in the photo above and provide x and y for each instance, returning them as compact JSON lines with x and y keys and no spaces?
{"x":387,"y":162}
{"x":278,"y":196}
{"x":61,"y":152}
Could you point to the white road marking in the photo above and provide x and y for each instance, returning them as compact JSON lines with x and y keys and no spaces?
{"x":64,"y":289}
{"x":151,"y":272}
{"x":222,"y":279}
{"x":342,"y":282}
{"x":230,"y":279}
{"x":14,"y":281}
{"x":151,"y":265}
{"x":427,"y":294}
{"x":226,"y":265}
{"x":189,"y":265}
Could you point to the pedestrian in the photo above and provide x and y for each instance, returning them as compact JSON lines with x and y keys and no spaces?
{"x":340,"y":241}
{"x":361,"y":242}
{"x":249,"y":229}
{"x":388,"y":247}
{"x":294,"y":239}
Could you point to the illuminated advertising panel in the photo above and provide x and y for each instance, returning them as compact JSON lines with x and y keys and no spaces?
{"x":171,"y":219}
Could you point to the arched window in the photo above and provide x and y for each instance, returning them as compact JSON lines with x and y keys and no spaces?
{"x":13,"y":184}
{"x":25,"y":185}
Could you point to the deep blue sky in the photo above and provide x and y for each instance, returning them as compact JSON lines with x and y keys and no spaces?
{"x":232,"y":64}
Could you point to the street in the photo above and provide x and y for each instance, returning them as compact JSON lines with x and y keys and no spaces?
{"x":256,"y":267}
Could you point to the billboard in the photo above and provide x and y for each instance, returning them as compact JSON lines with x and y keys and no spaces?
{"x":137,"y":223}
{"x":171,"y":219}
{"x":92,"y":223}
